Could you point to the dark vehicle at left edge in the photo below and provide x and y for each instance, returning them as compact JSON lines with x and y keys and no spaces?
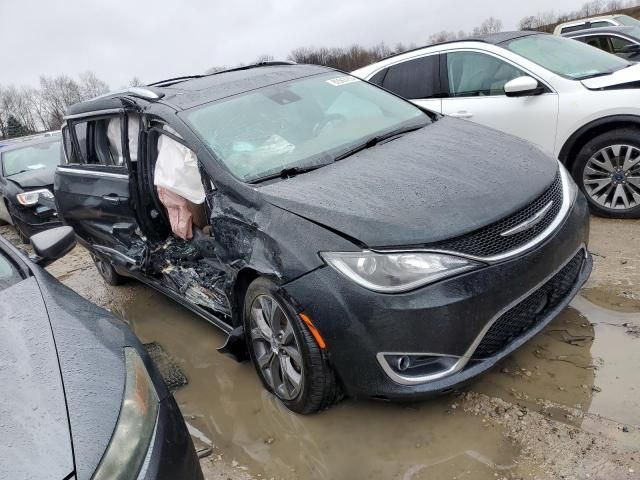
{"x":27,"y":167}
{"x":81,"y":399}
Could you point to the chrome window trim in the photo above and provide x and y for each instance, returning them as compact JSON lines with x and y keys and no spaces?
{"x":466,"y":357}
{"x":95,"y":113}
{"x":96,"y":173}
{"x":567,"y":201}
{"x":606,"y":34}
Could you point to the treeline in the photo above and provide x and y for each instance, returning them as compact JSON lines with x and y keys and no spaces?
{"x":25,"y":110}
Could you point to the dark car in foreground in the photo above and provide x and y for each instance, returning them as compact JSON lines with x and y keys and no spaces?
{"x":27,"y":166}
{"x":81,"y":398}
{"x":622,"y":41}
{"x":350,"y":241}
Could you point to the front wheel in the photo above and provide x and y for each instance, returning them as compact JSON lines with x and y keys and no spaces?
{"x":107,"y":272}
{"x":607,"y":169}
{"x":285,"y":354}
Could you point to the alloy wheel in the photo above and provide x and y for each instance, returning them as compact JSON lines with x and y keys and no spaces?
{"x":611,"y":177}
{"x":275,"y":347}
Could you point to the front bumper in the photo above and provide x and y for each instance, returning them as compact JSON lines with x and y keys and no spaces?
{"x":443,"y":319}
{"x":37,"y":218}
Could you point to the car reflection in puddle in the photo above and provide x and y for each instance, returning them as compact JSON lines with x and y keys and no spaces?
{"x":559,"y":372}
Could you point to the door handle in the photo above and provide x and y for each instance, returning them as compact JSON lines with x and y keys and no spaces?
{"x":113,"y":198}
{"x":462,"y":114}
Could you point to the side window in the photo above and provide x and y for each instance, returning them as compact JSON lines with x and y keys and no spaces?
{"x":574,"y":28}
{"x":473,"y":74}
{"x":69,"y":152}
{"x":414,"y":78}
{"x":601,"y":41}
{"x":100,"y":141}
{"x":618,"y":44}
{"x":378,"y":78}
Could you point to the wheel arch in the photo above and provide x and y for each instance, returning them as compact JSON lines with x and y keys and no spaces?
{"x":575,"y":142}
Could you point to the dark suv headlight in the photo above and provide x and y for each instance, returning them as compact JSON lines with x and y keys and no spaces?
{"x":396,"y":272}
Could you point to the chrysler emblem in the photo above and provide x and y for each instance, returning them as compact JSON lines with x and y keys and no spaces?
{"x":530,"y":222}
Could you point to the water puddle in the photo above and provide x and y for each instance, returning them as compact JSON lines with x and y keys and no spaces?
{"x":582,"y":366}
{"x":587,"y":359}
{"x":225,"y":403}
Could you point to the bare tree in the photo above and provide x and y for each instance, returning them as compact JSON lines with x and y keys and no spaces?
{"x":136,"y":82}
{"x":91,"y":86}
{"x":490,"y":25}
{"x":265,"y":58}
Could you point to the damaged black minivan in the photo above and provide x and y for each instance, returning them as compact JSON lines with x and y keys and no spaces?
{"x":348,"y":241}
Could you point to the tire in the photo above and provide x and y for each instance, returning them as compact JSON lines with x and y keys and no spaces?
{"x":610,"y":183}
{"x":24,"y":238}
{"x":317,"y":389}
{"x":107,"y":272}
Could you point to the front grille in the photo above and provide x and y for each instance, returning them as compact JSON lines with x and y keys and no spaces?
{"x":526,"y":314}
{"x":487,"y":241}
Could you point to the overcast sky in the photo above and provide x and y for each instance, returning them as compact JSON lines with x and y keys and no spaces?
{"x":155,"y":40}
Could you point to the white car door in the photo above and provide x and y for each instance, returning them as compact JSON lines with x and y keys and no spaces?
{"x":475,"y":83}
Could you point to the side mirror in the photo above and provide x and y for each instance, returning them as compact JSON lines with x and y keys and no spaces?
{"x":51,"y":245}
{"x":522,"y":87}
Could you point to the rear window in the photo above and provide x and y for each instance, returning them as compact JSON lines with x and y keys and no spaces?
{"x":9,"y":274}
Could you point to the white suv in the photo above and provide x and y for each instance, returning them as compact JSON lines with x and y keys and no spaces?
{"x":578,"y":103}
{"x":596,"y":22}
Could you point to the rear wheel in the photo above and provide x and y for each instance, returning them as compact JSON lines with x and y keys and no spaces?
{"x":107,"y":271}
{"x":285,"y":354}
{"x":607,"y":169}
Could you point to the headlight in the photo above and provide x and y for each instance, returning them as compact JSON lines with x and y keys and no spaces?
{"x":31,"y":197}
{"x":137,"y":420}
{"x":396,"y":272}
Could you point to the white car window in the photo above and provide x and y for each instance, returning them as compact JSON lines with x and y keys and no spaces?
{"x":473,"y":74}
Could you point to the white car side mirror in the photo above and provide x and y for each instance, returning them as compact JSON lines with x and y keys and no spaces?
{"x":523,"y":86}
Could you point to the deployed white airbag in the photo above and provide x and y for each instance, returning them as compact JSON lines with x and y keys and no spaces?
{"x":115,"y":138}
{"x":177,"y":170}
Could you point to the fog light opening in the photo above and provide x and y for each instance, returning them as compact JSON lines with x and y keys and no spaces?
{"x":404,"y":362}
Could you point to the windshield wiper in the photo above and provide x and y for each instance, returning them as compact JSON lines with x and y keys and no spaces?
{"x":289,"y":172}
{"x":373,"y":141}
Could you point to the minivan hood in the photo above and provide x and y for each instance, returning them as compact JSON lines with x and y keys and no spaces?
{"x":34,"y":178}
{"x":621,"y":77}
{"x":444,"y":180}
{"x":36,"y":440}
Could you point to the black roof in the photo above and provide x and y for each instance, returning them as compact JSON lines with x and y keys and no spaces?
{"x":492,"y":38}
{"x":629,"y":31}
{"x":21,"y":142}
{"x":186,"y":92}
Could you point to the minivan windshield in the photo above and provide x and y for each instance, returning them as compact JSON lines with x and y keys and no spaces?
{"x":568,"y":58}
{"x":299,"y":124}
{"x":33,"y":157}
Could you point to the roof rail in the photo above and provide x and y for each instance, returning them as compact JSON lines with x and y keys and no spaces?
{"x":172,"y":81}
{"x":140,"y":92}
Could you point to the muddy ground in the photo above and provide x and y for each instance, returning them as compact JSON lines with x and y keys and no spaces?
{"x":566,"y":405}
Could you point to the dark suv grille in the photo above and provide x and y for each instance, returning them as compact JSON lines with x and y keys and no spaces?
{"x":531,"y":310}
{"x":487,"y":240}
